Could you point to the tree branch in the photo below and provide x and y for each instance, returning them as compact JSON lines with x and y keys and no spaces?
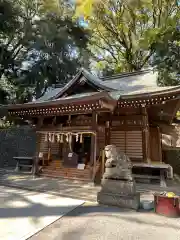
{"x":106,"y":49}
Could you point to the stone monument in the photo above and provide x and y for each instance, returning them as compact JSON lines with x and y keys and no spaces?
{"x":118,"y":185}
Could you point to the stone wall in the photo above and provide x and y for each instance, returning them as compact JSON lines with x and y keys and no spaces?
{"x":172,"y":157}
{"x":16,"y":141}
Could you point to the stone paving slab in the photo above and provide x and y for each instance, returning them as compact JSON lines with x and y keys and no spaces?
{"x":24,"y":213}
{"x":73,"y":189}
{"x":94,"y":222}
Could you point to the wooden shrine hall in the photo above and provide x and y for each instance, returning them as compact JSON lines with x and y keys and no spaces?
{"x":75,"y":122}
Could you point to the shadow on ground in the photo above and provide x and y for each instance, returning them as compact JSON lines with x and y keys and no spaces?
{"x":70,"y":188}
{"x":94,"y":210}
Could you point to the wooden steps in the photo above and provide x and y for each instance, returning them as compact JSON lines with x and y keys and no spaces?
{"x":56,"y":169}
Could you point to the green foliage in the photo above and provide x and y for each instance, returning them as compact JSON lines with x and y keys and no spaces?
{"x":125,"y":32}
{"x":39,"y":45}
{"x":167,"y":59}
{"x":3,"y":96}
{"x":52,"y":53}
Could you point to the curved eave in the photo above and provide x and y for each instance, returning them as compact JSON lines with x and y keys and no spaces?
{"x":97,"y":102}
{"x":149,"y":99}
{"x":171,"y":91}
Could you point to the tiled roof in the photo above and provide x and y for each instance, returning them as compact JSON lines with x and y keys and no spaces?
{"x":135,"y":83}
{"x":132,"y":82}
{"x":49,"y":94}
{"x":125,"y":84}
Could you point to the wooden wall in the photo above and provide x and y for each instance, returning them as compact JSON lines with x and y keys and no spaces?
{"x":129,"y":142}
{"x":155,"y":144}
{"x":100,"y":142}
{"x":43,"y":145}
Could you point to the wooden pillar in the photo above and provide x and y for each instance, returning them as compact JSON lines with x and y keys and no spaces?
{"x":36,"y":157}
{"x":108,"y":130}
{"x":94,"y":142}
{"x":160,"y":144}
{"x":145,"y":136}
{"x":40,"y":122}
{"x":69,"y":120}
{"x":35,"y":169}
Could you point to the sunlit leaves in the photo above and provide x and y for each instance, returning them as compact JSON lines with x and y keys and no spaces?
{"x":84,"y":8}
{"x":128,"y":30}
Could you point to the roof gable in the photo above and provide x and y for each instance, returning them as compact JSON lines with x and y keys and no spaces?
{"x":83,"y":77}
{"x":126,"y":84}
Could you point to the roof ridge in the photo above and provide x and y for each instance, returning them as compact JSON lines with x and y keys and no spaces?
{"x":126,"y":74}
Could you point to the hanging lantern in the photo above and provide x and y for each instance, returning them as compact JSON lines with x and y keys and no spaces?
{"x":46,"y":137}
{"x":81,"y":138}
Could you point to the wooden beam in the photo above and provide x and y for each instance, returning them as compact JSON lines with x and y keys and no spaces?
{"x":126,"y":128}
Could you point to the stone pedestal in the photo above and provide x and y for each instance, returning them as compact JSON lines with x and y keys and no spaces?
{"x":119,"y":193}
{"x":112,"y":199}
{"x":118,"y":185}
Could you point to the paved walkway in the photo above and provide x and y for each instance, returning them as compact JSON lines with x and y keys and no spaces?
{"x":70,"y":188}
{"x":93,"y":222}
{"x":23,"y":213}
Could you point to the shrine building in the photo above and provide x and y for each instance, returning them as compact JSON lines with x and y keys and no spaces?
{"x":75,"y":122}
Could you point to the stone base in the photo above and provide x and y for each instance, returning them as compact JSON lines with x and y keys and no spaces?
{"x":118,"y":187}
{"x":132,"y":202}
{"x":118,"y":173}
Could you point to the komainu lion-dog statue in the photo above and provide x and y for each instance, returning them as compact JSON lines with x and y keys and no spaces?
{"x":118,"y":185}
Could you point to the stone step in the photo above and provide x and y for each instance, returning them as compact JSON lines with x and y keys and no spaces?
{"x":66,"y":175}
{"x":87,"y":180}
{"x":66,"y":169}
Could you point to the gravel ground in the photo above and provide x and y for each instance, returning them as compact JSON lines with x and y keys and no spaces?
{"x":93,"y":222}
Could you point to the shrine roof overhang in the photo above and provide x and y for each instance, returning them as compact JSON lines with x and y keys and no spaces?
{"x":157,"y":96}
{"x":86,"y":102}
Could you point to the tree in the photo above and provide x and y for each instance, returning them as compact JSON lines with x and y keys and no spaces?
{"x":167,"y":59}
{"x":39,"y":45}
{"x":125,"y":32}
{"x":55,"y":56}
{"x":3,"y":96}
{"x":16,"y":32}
